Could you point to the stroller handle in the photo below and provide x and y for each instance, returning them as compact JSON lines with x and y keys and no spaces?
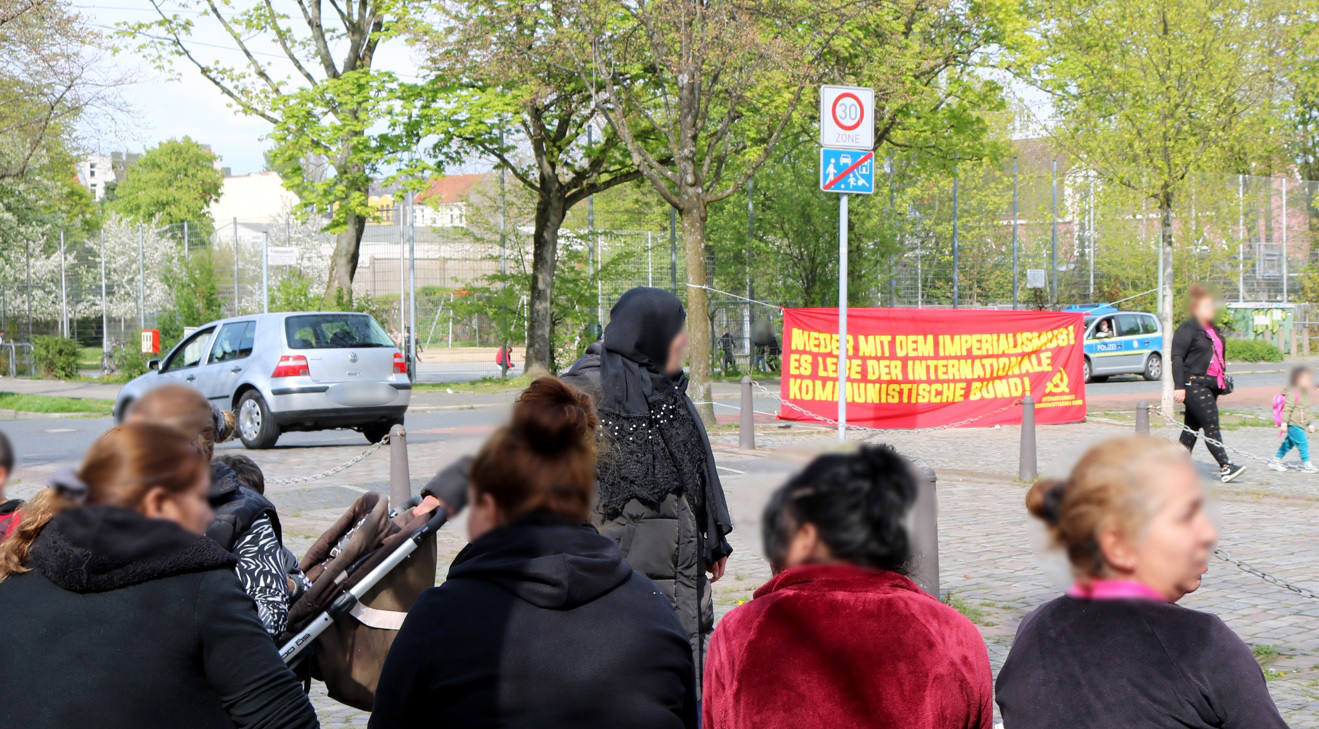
{"x":350,"y":597}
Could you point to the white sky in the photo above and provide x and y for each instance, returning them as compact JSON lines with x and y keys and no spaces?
{"x":163,"y":108}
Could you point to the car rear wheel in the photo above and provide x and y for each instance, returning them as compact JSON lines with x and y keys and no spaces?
{"x":256,"y":428}
{"x":376,"y":432}
{"x":1085,"y":370}
{"x":1154,"y":367}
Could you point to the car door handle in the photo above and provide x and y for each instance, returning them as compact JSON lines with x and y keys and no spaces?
{"x":190,"y":378}
{"x":236,"y":370}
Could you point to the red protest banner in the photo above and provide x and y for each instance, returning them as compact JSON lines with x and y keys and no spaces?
{"x":917,"y":368}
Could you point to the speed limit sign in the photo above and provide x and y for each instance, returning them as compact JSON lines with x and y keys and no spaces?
{"x":847,"y":117}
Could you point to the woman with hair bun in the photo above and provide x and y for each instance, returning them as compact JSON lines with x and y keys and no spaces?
{"x":1116,"y":650}
{"x":840,"y":636}
{"x":540,"y":622}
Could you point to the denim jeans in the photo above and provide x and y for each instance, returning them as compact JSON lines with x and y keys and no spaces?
{"x":1295,"y":437}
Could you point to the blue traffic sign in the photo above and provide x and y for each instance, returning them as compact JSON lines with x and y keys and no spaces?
{"x":848,"y":171}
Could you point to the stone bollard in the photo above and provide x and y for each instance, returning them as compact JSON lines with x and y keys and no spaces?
{"x":1142,"y":418}
{"x":400,"y":481}
{"x":746,"y":432}
{"x":1028,"y":470}
{"x":924,"y":526}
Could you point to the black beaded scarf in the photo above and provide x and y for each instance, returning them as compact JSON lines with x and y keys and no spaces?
{"x":649,"y":456}
{"x":653,"y":446}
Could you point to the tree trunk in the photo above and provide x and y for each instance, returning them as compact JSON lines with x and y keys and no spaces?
{"x":550,"y":210}
{"x":343,"y":263}
{"x":698,"y":307}
{"x":1165,"y":240}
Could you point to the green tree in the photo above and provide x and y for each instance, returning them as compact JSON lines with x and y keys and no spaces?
{"x":723,"y":84}
{"x":790,"y":255}
{"x":195,"y":297}
{"x":501,"y":86}
{"x":718,"y":86}
{"x":1148,"y":94}
{"x":324,"y":97}
{"x":174,"y":182}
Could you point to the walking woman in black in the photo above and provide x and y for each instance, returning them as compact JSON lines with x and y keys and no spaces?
{"x":659,"y":494}
{"x":1199,"y":371}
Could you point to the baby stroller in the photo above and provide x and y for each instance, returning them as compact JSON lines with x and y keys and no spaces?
{"x":366,"y":571}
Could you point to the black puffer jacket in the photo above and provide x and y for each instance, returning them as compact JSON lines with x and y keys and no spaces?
{"x":236,"y":508}
{"x":126,"y":622}
{"x":540,"y":624}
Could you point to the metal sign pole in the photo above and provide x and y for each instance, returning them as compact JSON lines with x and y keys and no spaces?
{"x":847,"y":130}
{"x":265,"y":272}
{"x":842,"y":317}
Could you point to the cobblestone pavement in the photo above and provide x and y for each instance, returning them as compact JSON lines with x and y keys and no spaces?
{"x":994,"y":567}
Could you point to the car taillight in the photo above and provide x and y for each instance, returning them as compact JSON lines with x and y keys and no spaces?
{"x":291,"y":365}
{"x":400,"y":367}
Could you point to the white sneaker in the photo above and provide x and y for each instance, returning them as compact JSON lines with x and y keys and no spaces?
{"x":1308,"y":467}
{"x":1278,"y":465}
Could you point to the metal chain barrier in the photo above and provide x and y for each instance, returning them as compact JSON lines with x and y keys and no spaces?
{"x":1219,"y":553}
{"x":1222,"y":553}
{"x":326,"y":474}
{"x":1272,"y":580}
{"x":1261,"y":459}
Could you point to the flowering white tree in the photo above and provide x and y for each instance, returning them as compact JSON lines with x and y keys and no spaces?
{"x":124,"y":277}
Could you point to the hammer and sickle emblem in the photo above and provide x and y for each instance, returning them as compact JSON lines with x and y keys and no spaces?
{"x":1059,"y":385}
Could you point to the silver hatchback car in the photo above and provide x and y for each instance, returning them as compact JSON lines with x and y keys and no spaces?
{"x":295,"y":371}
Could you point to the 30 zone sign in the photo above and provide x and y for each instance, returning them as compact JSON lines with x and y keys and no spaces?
{"x":847,"y":117}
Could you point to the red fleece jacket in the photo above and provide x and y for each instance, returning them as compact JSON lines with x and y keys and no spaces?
{"x":843,"y":646}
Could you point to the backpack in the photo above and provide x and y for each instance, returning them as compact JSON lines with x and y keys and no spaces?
{"x":1279,"y":404}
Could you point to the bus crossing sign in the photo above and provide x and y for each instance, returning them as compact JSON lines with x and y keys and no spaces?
{"x":848,"y":171}
{"x":847,"y":117}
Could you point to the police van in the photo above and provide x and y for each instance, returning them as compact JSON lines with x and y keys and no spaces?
{"x":1121,"y":343}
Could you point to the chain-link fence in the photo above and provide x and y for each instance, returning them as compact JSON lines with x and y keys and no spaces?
{"x":1074,"y":239}
{"x":1033,"y":232}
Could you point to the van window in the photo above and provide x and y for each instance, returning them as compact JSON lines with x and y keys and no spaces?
{"x":1151,"y":324}
{"x":334,"y":331}
{"x":1129,"y":325}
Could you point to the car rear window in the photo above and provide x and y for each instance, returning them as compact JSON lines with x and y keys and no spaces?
{"x":334,"y":331}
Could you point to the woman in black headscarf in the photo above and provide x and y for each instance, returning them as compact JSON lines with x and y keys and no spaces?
{"x":659,"y":494}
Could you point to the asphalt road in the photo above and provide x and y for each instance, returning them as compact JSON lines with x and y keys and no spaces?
{"x":438,"y":416}
{"x":64,"y":440}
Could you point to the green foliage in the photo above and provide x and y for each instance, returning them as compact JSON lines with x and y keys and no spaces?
{"x":971,"y":612}
{"x":336,"y":107}
{"x":56,"y":356}
{"x":129,"y":362}
{"x":195,"y":298}
{"x":1251,"y":350}
{"x":296,"y":291}
{"x":174,"y":182}
{"x":796,"y":228}
{"x":53,"y":404}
